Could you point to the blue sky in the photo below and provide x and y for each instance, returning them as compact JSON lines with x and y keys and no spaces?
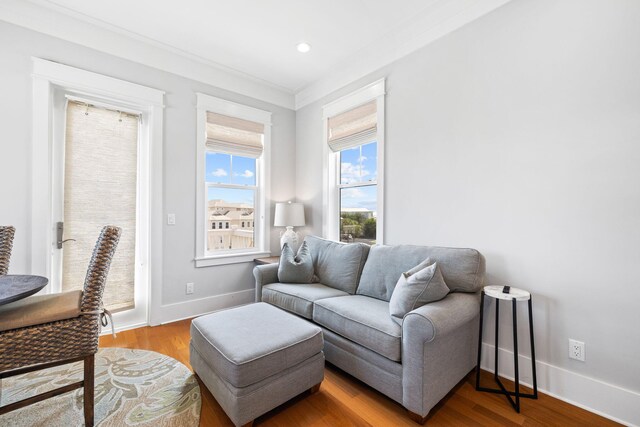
{"x":231,"y":195}
{"x":359,"y":197}
{"x":357,"y":165}
{"x":227,"y":169}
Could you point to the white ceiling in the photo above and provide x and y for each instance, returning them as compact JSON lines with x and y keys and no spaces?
{"x":257,"y":38}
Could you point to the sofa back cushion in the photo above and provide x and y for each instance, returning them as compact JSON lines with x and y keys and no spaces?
{"x":462,"y":269}
{"x":338,"y":265}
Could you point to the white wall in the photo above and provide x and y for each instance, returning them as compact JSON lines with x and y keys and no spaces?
{"x":519,"y":135}
{"x":17,"y":46}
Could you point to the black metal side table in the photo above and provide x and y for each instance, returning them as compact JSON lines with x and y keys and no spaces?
{"x":514,"y":295}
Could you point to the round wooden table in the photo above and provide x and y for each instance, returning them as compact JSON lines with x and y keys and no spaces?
{"x":15,"y":287}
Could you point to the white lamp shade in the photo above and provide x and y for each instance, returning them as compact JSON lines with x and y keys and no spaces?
{"x":289,"y":215}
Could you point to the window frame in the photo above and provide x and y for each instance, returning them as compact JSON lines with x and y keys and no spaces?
{"x":331,"y":164}
{"x":204,"y":258}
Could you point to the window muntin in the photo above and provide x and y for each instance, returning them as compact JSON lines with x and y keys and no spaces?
{"x":359,"y":164}
{"x":224,"y":168}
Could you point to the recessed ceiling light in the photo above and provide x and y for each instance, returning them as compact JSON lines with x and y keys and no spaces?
{"x":303,"y":47}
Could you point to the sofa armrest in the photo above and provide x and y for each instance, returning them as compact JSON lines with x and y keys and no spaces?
{"x":440,"y":317}
{"x":264,"y":275}
{"x":439,"y":345}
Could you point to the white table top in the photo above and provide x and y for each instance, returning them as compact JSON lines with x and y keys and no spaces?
{"x":514,"y":293}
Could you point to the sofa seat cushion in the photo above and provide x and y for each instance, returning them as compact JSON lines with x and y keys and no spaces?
{"x":298,"y":298}
{"x":363,"y":320}
{"x":250,"y":343}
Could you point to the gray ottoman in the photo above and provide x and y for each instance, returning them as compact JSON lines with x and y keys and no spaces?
{"x":256,"y":357}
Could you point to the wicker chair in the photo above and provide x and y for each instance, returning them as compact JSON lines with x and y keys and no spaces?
{"x":44,"y":331}
{"x":6,"y":243}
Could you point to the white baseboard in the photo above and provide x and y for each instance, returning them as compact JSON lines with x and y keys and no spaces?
{"x":184,"y":310}
{"x":608,"y":400}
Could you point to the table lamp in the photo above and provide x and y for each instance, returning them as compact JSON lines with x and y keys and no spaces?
{"x":289,"y":215}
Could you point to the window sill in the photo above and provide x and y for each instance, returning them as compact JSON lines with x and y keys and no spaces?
{"x":210,"y":261}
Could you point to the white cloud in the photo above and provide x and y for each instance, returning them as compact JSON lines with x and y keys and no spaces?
{"x":353,"y":193}
{"x":246,"y":174}
{"x":352,"y":173}
{"x":219,"y":172}
{"x":362,"y":158}
{"x":359,"y":197}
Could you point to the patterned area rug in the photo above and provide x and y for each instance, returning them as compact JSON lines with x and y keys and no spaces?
{"x":133,"y":388}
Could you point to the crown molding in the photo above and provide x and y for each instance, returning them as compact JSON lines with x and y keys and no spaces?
{"x":443,"y":18}
{"x":434,"y":23}
{"x":45,"y":18}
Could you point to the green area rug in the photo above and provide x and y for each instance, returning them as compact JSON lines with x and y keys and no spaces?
{"x":133,"y":388}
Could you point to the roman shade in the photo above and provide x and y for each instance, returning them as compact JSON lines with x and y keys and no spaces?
{"x":100,"y":187}
{"x":353,"y":127}
{"x":231,"y":135}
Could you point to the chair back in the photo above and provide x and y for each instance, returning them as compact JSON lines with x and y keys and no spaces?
{"x":99,"y":267}
{"x":6,"y":243}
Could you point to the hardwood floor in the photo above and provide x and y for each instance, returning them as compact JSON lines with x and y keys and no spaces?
{"x":345,"y":401}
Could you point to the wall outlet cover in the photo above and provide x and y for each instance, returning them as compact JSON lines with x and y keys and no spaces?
{"x":576,"y":350}
{"x":189,"y":288}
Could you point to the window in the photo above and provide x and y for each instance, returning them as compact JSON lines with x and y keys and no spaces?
{"x":354,"y":127}
{"x":234,"y":151}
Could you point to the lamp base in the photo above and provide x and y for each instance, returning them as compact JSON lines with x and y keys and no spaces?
{"x":291,"y":238}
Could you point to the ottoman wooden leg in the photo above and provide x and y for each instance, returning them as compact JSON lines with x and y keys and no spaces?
{"x":315,"y":388}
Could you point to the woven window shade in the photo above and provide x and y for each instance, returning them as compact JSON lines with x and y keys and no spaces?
{"x":234,"y":136}
{"x":354,"y":127}
{"x":100,"y":188}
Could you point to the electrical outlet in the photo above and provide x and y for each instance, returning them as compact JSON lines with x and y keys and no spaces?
{"x":189,"y":289}
{"x":171,"y":219}
{"x":576,"y":350}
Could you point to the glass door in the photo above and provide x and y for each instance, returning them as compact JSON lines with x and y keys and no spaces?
{"x":98,"y":169}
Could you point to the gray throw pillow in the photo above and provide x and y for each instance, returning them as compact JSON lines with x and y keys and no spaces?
{"x":424,"y":264}
{"x":298,"y":268}
{"x":416,"y":288}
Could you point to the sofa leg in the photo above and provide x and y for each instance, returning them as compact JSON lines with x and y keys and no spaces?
{"x":315,"y":388}
{"x":417,"y":418}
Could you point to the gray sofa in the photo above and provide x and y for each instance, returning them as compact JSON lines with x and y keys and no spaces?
{"x":416,"y":363}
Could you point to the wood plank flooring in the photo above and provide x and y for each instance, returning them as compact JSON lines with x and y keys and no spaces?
{"x":345,"y":401}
